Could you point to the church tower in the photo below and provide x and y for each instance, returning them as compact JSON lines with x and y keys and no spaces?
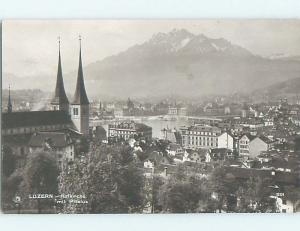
{"x":80,"y":106}
{"x":60,"y":101}
{"x":9,"y":105}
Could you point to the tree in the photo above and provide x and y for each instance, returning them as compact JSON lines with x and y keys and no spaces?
{"x":183,"y":192}
{"x":41,"y":176}
{"x":292,"y":193}
{"x":9,"y":189}
{"x":297,"y":143}
{"x":224,"y":185}
{"x":8,"y":161}
{"x":81,"y":146}
{"x":108,"y":179}
{"x":254,"y":196}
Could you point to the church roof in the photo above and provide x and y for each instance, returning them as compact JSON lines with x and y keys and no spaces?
{"x":80,"y":96}
{"x":34,"y":118}
{"x":60,"y":96}
{"x":57,"y":139}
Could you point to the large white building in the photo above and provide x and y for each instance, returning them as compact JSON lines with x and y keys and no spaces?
{"x":200,"y":136}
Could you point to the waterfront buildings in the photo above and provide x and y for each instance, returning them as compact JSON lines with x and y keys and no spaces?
{"x":177,"y":111}
{"x":129,"y":129}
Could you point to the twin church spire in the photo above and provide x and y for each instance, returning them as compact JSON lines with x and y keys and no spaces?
{"x":79,"y":107}
{"x":60,"y":100}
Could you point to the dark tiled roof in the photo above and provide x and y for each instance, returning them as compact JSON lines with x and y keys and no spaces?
{"x":174,"y":147}
{"x":21,"y":139}
{"x":220,"y":151}
{"x":250,"y":137}
{"x":266,"y":139}
{"x":142,"y":127}
{"x":56,"y":139}
{"x":203,"y":128}
{"x":34,"y":118}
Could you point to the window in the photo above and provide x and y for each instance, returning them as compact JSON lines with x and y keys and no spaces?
{"x":75,"y":111}
{"x":284,"y":202}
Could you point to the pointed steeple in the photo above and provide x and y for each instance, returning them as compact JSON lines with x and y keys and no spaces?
{"x":60,"y":97}
{"x":9,"y":105}
{"x":80,"y":96}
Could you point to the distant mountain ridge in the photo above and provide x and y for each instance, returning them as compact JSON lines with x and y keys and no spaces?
{"x":185,"y":64}
{"x":287,"y":87}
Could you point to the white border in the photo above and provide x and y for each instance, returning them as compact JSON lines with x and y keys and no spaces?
{"x":96,"y":9}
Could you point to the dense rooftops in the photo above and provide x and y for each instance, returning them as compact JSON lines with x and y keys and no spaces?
{"x":130,"y":125}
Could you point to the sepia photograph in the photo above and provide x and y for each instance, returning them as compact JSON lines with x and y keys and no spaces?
{"x":150,"y":116}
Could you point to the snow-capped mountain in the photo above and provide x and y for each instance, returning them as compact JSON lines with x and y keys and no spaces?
{"x":182,"y":42}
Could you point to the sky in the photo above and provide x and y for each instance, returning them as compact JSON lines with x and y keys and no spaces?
{"x":30,"y":47}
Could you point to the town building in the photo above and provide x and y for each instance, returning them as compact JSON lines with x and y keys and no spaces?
{"x":118,"y":112}
{"x":175,"y":150}
{"x":60,"y":143}
{"x":252,"y":124}
{"x":177,"y":111}
{"x":244,"y":145}
{"x":284,"y":205}
{"x":258,"y":145}
{"x":171,"y":135}
{"x":129,"y":129}
{"x":268,"y":121}
{"x":226,"y":140}
{"x":251,"y":146}
{"x":200,"y":136}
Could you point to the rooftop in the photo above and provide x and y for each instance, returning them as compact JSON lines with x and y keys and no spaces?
{"x":34,"y":118}
{"x":55,"y":139}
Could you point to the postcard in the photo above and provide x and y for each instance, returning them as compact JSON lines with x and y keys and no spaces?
{"x":150,"y":116}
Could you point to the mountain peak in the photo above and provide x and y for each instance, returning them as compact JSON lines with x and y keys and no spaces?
{"x":182,"y":32}
{"x":173,"y":35}
{"x":183,"y":41}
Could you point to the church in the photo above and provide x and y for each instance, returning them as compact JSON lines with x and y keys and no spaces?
{"x":72,"y":117}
